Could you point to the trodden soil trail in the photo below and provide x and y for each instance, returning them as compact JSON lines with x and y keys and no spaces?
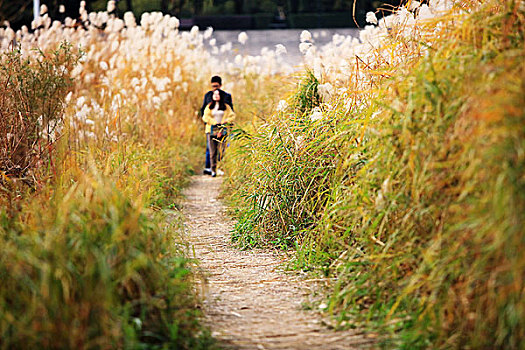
{"x":250,"y":301}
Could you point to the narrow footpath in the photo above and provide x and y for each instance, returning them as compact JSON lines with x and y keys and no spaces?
{"x":250,"y":302}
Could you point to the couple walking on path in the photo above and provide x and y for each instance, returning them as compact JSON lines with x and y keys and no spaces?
{"x":217,"y":113}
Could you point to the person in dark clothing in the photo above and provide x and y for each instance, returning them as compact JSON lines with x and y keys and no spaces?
{"x":216,"y":83}
{"x":217,"y":116}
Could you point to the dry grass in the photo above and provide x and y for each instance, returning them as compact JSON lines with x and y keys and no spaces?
{"x":87,"y":259}
{"x":31,"y":107}
{"x":412,"y":194}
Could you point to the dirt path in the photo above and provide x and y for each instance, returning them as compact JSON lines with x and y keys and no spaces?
{"x":251,"y":303}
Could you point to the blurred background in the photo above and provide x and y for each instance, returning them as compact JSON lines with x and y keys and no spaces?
{"x":219,"y":14}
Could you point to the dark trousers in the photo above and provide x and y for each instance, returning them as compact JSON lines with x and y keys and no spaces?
{"x":207,"y":163}
{"x":217,"y":148}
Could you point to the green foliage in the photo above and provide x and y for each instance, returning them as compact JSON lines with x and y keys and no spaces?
{"x":283,"y":197}
{"x":90,"y":269}
{"x":414,"y":205}
{"x":155,"y":175}
{"x":331,"y":10}
{"x":307,"y":96}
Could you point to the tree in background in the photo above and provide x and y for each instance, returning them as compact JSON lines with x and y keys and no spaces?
{"x":20,"y":12}
{"x":171,"y":6}
{"x":129,"y":5}
{"x":17,"y":13}
{"x":71,"y":6}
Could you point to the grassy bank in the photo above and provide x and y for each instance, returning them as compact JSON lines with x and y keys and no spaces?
{"x":409,"y":193}
{"x":87,"y":258}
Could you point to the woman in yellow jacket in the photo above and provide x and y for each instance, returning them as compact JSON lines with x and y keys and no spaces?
{"x":216,"y":116}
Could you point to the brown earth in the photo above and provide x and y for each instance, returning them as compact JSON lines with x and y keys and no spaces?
{"x":250,"y":302}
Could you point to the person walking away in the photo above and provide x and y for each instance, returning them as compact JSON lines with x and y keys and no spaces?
{"x":217,"y":116}
{"x":216,"y":84}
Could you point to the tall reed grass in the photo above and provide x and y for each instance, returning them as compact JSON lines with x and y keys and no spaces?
{"x":88,"y":268}
{"x":408,"y":193}
{"x":89,"y":248}
{"x":31,"y":111}
{"x":87,"y":258}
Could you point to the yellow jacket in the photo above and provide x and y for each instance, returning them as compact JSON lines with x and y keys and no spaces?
{"x":229,"y":117}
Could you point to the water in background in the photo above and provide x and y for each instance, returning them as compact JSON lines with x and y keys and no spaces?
{"x":258,"y":39}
